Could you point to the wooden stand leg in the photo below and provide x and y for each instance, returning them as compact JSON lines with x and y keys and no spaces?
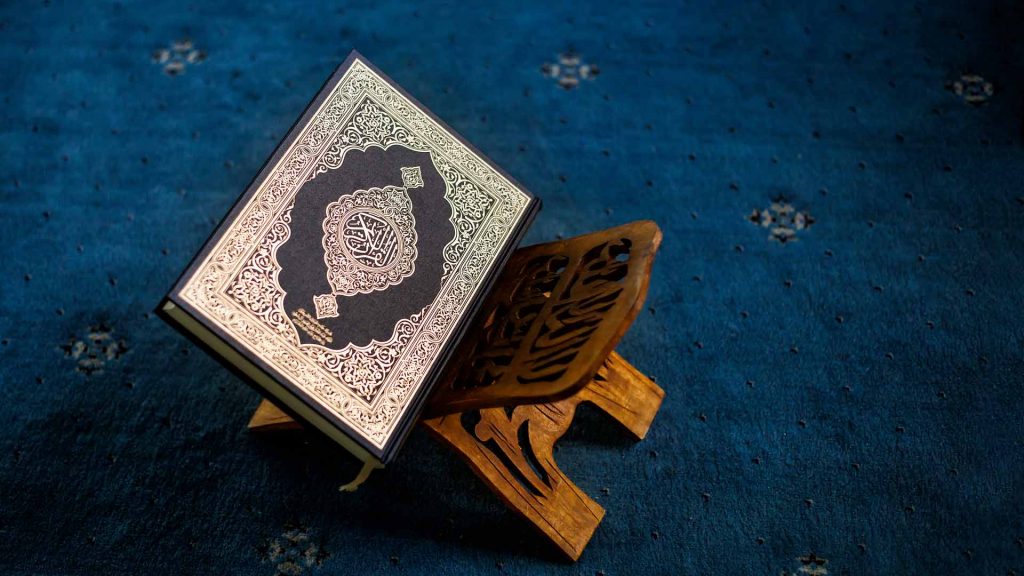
{"x":624,"y":393}
{"x":543,"y":344}
{"x":511,"y":450}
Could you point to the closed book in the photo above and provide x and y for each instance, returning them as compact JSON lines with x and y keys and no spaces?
{"x":343,"y":278}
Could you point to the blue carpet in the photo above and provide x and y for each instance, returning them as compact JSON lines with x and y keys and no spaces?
{"x":834,"y":315}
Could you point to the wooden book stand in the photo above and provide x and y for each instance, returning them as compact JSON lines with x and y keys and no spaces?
{"x":544,"y":343}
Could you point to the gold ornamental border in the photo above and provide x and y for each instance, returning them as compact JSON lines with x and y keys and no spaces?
{"x":206,"y":289}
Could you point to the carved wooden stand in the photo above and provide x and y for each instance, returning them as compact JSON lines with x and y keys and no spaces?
{"x":544,"y":343}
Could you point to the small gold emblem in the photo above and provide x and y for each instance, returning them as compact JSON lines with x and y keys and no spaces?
{"x":326,"y":306}
{"x":412,"y":177}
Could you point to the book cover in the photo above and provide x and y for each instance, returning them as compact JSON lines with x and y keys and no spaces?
{"x":342,"y":279}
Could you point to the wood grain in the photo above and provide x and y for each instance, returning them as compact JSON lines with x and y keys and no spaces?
{"x":543,"y":343}
{"x":555,"y":314}
{"x":512,"y":450}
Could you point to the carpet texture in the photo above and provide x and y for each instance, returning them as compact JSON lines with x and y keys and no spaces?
{"x":834,"y":314}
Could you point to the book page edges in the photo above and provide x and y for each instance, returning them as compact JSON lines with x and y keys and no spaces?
{"x":270,"y":386}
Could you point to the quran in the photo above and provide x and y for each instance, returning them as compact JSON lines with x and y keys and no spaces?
{"x":343,"y":278}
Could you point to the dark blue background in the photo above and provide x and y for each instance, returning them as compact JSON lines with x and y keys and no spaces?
{"x":888,"y":442}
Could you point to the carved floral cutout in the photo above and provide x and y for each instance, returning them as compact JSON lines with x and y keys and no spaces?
{"x":236,"y":286}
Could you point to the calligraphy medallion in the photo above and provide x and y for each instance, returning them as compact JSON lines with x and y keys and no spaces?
{"x":369,"y":241}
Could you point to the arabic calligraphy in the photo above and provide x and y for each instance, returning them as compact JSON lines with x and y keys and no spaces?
{"x":370,"y":239}
{"x":369,"y":242}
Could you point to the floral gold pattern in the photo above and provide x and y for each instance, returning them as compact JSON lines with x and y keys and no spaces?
{"x":235,"y":286}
